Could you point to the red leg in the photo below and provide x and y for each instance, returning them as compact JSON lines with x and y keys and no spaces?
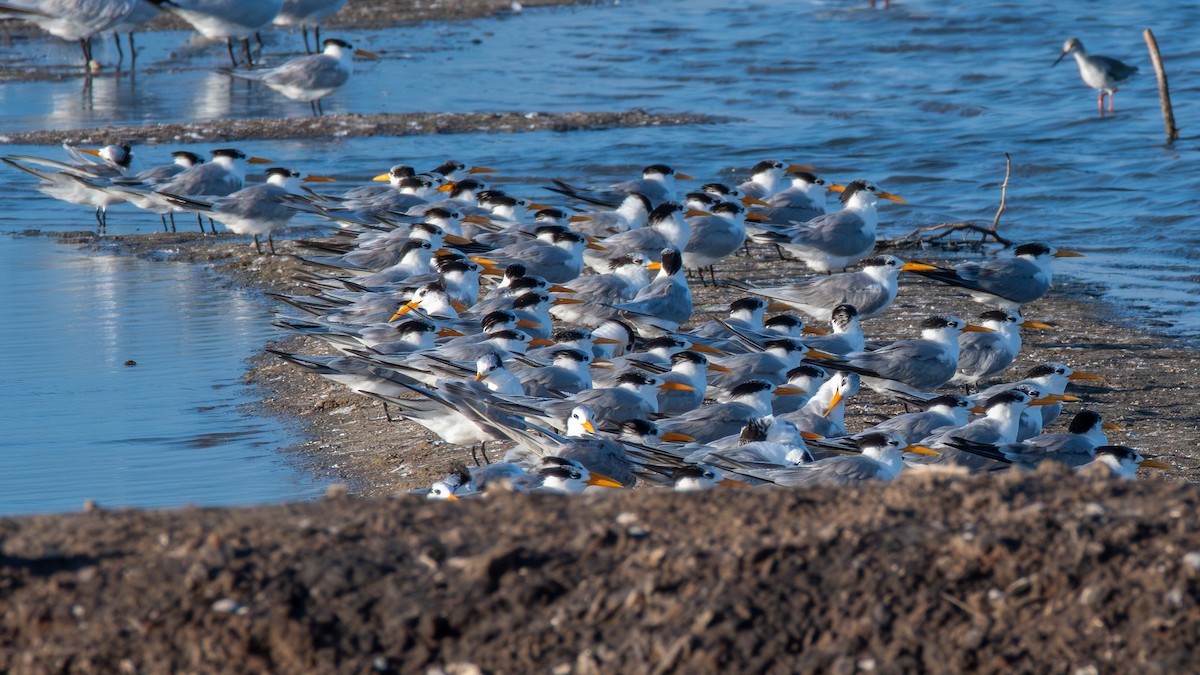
{"x":1100,"y":102}
{"x":1111,"y":96}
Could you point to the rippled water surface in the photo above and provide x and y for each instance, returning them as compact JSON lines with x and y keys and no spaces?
{"x":923,"y":99}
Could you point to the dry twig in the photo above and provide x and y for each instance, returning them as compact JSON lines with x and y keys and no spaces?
{"x":931,"y":235}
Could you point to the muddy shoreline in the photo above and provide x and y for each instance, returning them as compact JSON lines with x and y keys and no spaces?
{"x":358,"y":126}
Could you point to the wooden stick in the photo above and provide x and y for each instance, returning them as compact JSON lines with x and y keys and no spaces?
{"x":1164,"y":92}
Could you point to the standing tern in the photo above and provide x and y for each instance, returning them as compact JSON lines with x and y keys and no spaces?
{"x":256,"y":210}
{"x":226,"y":19}
{"x":801,"y":202}
{"x":1052,"y":378}
{"x":836,"y":240}
{"x":309,"y":78}
{"x":912,"y":366}
{"x":73,"y":20}
{"x":1005,"y":283}
{"x":74,"y":183}
{"x":871,"y":290}
{"x":666,"y":302}
{"x":985,"y":355}
{"x":1098,"y":72}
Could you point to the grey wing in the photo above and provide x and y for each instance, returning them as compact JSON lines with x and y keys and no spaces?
{"x":603,"y":287}
{"x":854,"y":288}
{"x":548,"y":381}
{"x":258,"y":202}
{"x":311,"y":72}
{"x":644,"y":240}
{"x":907,"y":361}
{"x":837,"y":233}
{"x":981,"y":354}
{"x":1013,"y":279}
{"x":830,"y":471}
{"x":604,"y":456}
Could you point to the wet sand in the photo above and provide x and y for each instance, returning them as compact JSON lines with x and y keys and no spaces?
{"x":357,"y":126}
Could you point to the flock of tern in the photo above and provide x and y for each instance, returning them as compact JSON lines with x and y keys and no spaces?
{"x":567,"y":330}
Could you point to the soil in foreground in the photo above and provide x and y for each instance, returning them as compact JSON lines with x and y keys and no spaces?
{"x":1048,"y":573}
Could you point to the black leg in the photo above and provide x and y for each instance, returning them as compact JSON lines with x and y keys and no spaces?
{"x":132,"y":50}
{"x":320,"y":108}
{"x":164,"y":219}
{"x":229,"y":45}
{"x":304,"y":31}
{"x":483,"y":451}
{"x":172,"y":214}
{"x":201,"y":222}
{"x":271,"y":242}
{"x":313,"y":106}
{"x":258,"y":39}
{"x":474,"y":457}
{"x":246,"y":48}
{"x":387,"y":412}
{"x":212,"y":226}
{"x":257,"y":247}
{"x":317,"y":41}
{"x":120,"y":54}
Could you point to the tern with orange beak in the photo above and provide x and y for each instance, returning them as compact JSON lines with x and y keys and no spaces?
{"x":986,"y":355}
{"x":918,"y":366}
{"x":838,"y":240}
{"x":1005,"y":283}
{"x":871,"y":290}
{"x":256,"y":210}
{"x":881,"y":459}
{"x":656,"y":184}
{"x":309,"y":78}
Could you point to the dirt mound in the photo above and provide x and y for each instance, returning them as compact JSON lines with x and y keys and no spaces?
{"x":1049,"y":572}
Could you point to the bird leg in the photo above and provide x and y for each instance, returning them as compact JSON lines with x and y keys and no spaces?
{"x":1111,"y":95}
{"x":483,"y":451}
{"x":246,"y":48}
{"x":172,"y":214}
{"x":200,"y":221}
{"x":132,"y":51}
{"x":271,"y":242}
{"x":1100,"y":103}
{"x":313,"y":106}
{"x":211,"y":225}
{"x":257,"y":246}
{"x":304,"y":31}
{"x":164,"y":219}
{"x":320,"y":108}
{"x":229,"y":45}
{"x":120,"y":54}
{"x":387,"y":412}
{"x":317,"y":37}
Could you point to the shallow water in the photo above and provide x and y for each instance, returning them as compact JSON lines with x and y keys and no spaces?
{"x":171,"y":430}
{"x":923,"y":99}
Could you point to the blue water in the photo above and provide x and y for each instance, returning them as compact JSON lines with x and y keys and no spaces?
{"x":923,"y":99}
{"x":171,"y":430}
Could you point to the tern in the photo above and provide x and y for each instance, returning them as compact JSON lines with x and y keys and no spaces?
{"x":73,"y":20}
{"x":657,"y":184}
{"x":768,"y":178}
{"x":912,"y":365}
{"x":309,"y":78}
{"x":1050,"y":377}
{"x":847,"y":335}
{"x":836,"y":240}
{"x":1098,"y":72}
{"x":1124,"y":461}
{"x":748,"y":401}
{"x":701,"y":477}
{"x":871,"y":290}
{"x":1074,"y":448}
{"x":76,"y":183}
{"x":803,"y":201}
{"x":225,"y":19}
{"x":1005,"y":283}
{"x":882,"y":459}
{"x":986,"y":355}
{"x":256,"y":210}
